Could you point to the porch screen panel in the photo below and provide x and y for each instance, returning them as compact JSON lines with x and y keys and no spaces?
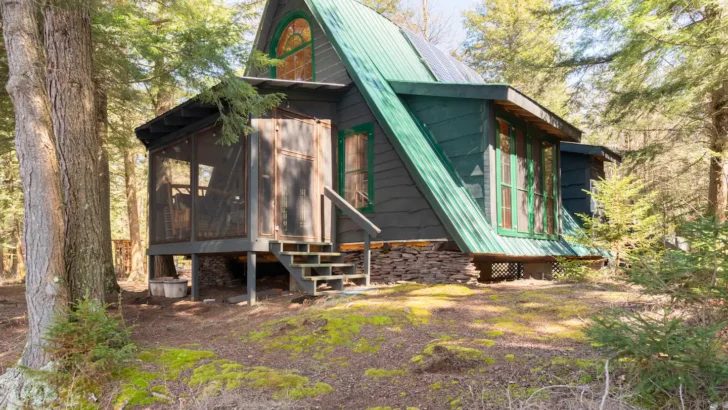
{"x":549,"y":154}
{"x":538,"y":202}
{"x":506,"y":185}
{"x":522,"y":181}
{"x":266,"y":175}
{"x":172,"y":193}
{"x":221,"y":204}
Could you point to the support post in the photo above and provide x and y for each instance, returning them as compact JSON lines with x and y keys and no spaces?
{"x":367,"y":257}
{"x":150,"y":271}
{"x":195,"y":277}
{"x":253,"y":184}
{"x":251,"y":278}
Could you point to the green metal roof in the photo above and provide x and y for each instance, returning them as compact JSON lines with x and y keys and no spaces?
{"x":375,"y":52}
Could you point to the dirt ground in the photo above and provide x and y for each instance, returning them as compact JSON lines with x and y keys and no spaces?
{"x":507,"y":345}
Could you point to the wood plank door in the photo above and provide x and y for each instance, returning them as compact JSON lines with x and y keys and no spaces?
{"x":297,"y":177}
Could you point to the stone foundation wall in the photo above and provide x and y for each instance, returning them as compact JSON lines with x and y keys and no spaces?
{"x":214,"y":271}
{"x":426,"y":263}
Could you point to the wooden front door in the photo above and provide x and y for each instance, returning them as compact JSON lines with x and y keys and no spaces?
{"x":297,"y":192}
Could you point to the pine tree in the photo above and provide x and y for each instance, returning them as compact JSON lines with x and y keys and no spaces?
{"x":625,"y":218}
{"x":659,"y":57}
{"x":516,"y":42}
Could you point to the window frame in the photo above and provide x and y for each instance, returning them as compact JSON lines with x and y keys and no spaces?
{"x":343,"y":135}
{"x":273,"y":46}
{"x":529,"y":133}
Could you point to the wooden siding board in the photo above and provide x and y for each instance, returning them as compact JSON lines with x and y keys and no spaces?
{"x":575,"y":170}
{"x":400,"y":210}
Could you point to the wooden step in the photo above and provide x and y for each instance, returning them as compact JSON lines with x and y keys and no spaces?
{"x":302,"y":243}
{"x":334,"y":277}
{"x":291,"y":253}
{"x":321,"y":265}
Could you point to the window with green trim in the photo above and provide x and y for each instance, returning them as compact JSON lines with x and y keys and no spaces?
{"x":356,"y":166}
{"x":293,"y":44}
{"x":527,"y":190}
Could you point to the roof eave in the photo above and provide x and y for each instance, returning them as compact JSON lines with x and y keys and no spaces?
{"x":496,"y":92}
{"x":597,"y":151}
{"x":194,"y":112}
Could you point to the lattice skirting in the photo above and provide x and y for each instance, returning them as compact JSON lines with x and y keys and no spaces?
{"x":556,"y":268}
{"x":502,"y":271}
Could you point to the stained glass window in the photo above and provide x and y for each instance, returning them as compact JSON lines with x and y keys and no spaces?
{"x":295,"y":48}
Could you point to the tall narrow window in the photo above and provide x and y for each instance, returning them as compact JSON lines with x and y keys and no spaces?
{"x":356,"y":168}
{"x":506,"y":177}
{"x":538,"y":202}
{"x":523,"y":185}
{"x":293,"y":44}
{"x":549,"y":165}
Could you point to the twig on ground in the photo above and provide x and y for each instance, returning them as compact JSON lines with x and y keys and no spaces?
{"x":557,"y":386}
{"x":682,"y":400}
{"x":606,"y":385}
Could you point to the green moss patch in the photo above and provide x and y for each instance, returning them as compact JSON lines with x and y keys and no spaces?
{"x":379,"y":373}
{"x":175,"y":361}
{"x":305,"y":335}
{"x":138,"y":386}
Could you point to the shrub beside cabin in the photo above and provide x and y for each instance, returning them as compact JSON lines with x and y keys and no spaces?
{"x":388,"y":160}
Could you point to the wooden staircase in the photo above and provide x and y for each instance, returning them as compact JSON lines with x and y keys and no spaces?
{"x":312,"y":263}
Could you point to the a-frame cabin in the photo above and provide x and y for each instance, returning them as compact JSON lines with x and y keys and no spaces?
{"x":388,"y":159}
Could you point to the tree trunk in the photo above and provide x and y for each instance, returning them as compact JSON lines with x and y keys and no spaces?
{"x":19,"y":252}
{"x":718,"y":173}
{"x":132,"y":209}
{"x":2,"y":261}
{"x":164,"y":267}
{"x":111,"y":285}
{"x":73,"y":110}
{"x":165,"y":99}
{"x":46,"y":281}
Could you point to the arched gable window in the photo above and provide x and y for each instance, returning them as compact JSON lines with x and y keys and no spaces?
{"x":293,"y":43}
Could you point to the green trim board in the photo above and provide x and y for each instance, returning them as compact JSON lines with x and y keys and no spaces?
{"x":273,"y":51}
{"x":343,"y":135}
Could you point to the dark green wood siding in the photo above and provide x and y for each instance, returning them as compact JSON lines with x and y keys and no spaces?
{"x":399,"y":209}
{"x":457,"y":126}
{"x":575,"y":175}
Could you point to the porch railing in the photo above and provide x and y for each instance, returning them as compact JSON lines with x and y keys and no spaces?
{"x":370,"y":230}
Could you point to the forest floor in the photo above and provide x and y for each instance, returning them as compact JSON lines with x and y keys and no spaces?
{"x":507,"y":345}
